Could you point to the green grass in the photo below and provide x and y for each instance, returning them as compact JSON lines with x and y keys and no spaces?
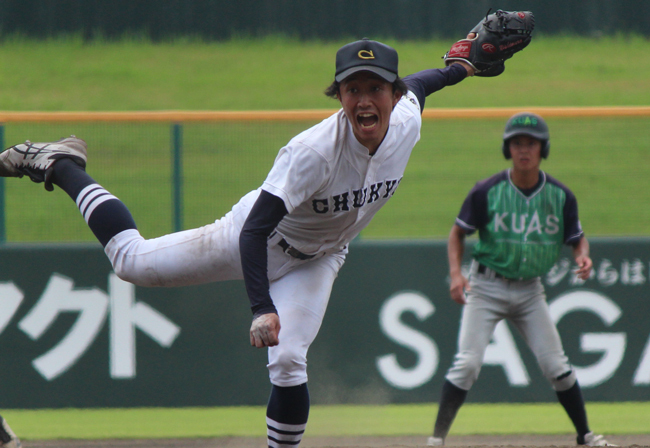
{"x":225,"y":161}
{"x":393,"y":420}
{"x":279,"y":73}
{"x":603,"y":160}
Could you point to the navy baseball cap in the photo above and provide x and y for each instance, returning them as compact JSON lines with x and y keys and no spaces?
{"x":366,"y":55}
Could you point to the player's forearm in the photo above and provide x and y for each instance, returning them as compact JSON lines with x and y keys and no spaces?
{"x":425,"y":82}
{"x":254,"y":256}
{"x":468,"y":68}
{"x":455,"y":250}
{"x":263,"y":218}
{"x":256,"y":280}
{"x":581,"y":249}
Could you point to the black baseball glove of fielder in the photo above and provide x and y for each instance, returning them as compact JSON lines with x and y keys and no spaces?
{"x":497,"y":38}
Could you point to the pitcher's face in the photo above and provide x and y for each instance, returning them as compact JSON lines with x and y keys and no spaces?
{"x":368,"y":102}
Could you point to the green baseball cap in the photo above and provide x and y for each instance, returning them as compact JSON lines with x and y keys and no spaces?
{"x":526,"y":123}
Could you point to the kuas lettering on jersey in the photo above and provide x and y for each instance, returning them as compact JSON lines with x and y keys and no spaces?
{"x":518,"y":223}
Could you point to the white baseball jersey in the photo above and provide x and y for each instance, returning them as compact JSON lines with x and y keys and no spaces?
{"x":329,"y":183}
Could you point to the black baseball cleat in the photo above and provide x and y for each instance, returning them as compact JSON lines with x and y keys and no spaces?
{"x":35,"y":160}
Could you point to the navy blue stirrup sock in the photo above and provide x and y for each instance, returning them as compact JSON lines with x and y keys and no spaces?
{"x":574,"y":405}
{"x":286,"y":415}
{"x":451,"y":399}
{"x":105,"y":214}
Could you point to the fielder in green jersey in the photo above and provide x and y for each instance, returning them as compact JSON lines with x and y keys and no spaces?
{"x":523,"y":217}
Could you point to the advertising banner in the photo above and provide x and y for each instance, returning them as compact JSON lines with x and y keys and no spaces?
{"x":72,"y":334}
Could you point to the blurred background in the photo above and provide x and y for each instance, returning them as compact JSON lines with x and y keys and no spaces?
{"x":261,"y":55}
{"x":161,"y":20}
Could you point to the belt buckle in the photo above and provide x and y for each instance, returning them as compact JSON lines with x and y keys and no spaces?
{"x":295,"y":253}
{"x":489,"y":273}
{"x":292,"y":251}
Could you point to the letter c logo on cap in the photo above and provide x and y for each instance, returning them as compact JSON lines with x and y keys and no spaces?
{"x":366,"y":54}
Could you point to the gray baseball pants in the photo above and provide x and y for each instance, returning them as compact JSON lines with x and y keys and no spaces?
{"x":523,"y":304}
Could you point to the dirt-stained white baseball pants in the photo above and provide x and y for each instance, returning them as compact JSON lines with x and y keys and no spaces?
{"x":300,"y":289}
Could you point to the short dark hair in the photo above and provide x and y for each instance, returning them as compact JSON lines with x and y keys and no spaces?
{"x":334,"y":88}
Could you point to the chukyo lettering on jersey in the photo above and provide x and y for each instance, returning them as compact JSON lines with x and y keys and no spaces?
{"x":344,"y":202}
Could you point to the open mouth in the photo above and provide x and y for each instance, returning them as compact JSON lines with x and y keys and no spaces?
{"x":367,"y":120}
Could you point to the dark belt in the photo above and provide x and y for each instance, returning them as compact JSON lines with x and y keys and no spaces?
{"x":295,"y":253}
{"x":482,"y":268}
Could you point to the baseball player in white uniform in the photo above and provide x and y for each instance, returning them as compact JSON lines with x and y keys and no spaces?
{"x":287,"y":239}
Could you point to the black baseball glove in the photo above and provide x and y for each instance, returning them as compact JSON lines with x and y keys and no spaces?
{"x":497,"y":38}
